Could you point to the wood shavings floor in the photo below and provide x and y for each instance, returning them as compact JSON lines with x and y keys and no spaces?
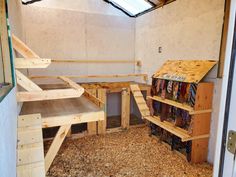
{"x":131,"y":154}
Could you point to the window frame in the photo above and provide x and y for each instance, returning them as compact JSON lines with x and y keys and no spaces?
{"x":155,"y":6}
{"x":7,"y":50}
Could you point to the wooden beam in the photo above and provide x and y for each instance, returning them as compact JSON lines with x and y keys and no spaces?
{"x":72,"y":84}
{"x":22,"y":48}
{"x":22,"y":63}
{"x":48,"y":122}
{"x":136,"y":62}
{"x":47,"y":95}
{"x":125,"y":108}
{"x":102,"y":125}
{"x":26,"y":83}
{"x":55,"y":146}
{"x":144,"y":76}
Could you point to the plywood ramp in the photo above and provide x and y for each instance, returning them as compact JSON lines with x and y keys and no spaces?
{"x":139,"y":99}
{"x":30,"y":153}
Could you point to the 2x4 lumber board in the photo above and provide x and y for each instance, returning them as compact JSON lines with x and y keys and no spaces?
{"x":22,"y":63}
{"x":31,"y":170}
{"x":30,"y":155}
{"x":5,"y":54}
{"x":48,"y":122}
{"x":92,"y":126}
{"x":30,"y":120}
{"x":26,"y":136}
{"x":136,"y":62}
{"x":47,"y":95}
{"x":183,"y":134}
{"x":144,"y":76}
{"x":55,"y":146}
{"x":73,"y":84}
{"x":26,"y":83}
{"x":125,"y":109}
{"x":102,"y":124}
{"x":180,"y":105}
{"x":22,"y":48}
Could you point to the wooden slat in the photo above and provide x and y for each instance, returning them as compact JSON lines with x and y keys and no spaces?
{"x":22,"y":48}
{"x":31,"y":170}
{"x":29,"y":120}
{"x":26,"y":136}
{"x":26,"y":83}
{"x":137,"y":62}
{"x":73,"y":84}
{"x":47,"y":95}
{"x":55,"y":146}
{"x":22,"y":63}
{"x":30,"y":155}
{"x":191,"y":71}
{"x":144,"y":76}
{"x":72,"y":119}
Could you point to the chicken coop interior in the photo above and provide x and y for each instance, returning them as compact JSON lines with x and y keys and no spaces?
{"x":111,"y":88}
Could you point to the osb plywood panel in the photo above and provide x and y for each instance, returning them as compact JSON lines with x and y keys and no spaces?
{"x":191,"y":71}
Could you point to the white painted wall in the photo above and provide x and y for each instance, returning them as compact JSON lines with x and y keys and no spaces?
{"x":8,"y":127}
{"x":76,"y":34}
{"x":185,"y":30}
{"x":8,"y":109}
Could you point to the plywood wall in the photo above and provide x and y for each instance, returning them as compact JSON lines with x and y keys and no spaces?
{"x":69,"y":34}
{"x":184,"y":30}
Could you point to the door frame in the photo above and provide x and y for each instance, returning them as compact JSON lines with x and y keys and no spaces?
{"x":226,"y":91}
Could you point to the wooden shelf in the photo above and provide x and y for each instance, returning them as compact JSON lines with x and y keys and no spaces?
{"x":179,"y":105}
{"x":177,"y":131}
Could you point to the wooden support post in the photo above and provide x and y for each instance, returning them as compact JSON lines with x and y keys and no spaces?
{"x":125,"y":108}
{"x":92,"y":126}
{"x":55,"y":146}
{"x":102,"y":125}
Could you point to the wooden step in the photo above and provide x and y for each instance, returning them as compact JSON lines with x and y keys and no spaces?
{"x":30,"y":151}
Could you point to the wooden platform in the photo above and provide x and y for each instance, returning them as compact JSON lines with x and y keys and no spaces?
{"x":30,"y":153}
{"x":64,"y":111}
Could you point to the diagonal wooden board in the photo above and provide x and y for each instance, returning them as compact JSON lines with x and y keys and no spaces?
{"x":56,"y":144}
{"x":190,"y":71}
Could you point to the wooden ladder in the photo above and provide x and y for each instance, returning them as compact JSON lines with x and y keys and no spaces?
{"x":30,"y":152}
{"x":139,"y":99}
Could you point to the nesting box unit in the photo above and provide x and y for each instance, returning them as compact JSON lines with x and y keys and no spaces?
{"x":198,"y":108}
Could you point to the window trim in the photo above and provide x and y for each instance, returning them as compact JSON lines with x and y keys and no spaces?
{"x":7,"y":49}
{"x":155,"y":6}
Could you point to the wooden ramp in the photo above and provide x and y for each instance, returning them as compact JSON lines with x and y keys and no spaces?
{"x":30,"y":153}
{"x":139,"y":99}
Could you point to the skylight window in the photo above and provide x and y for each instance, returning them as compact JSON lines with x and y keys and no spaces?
{"x":132,"y":7}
